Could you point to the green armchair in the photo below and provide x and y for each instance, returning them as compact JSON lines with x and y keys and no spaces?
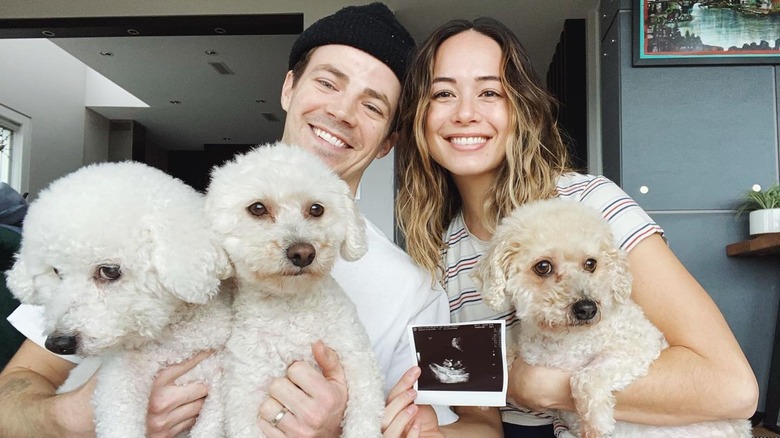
{"x":10,"y":338}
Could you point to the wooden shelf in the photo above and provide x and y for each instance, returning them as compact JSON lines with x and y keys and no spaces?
{"x":763,"y":244}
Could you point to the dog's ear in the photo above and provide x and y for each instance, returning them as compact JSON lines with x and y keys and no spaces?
{"x":188,"y":258}
{"x":621,"y":274}
{"x":354,"y":245}
{"x":490,"y":279}
{"x":21,"y":283}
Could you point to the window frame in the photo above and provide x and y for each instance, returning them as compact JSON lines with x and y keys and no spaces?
{"x":21,"y":124}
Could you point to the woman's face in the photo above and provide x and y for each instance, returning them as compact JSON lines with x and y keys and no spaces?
{"x":467,"y":124}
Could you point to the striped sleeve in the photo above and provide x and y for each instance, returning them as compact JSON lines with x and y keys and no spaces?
{"x":630,"y":223}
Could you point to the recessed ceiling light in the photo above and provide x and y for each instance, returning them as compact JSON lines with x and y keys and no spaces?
{"x":133,"y":32}
{"x":176,"y":102}
{"x":211,"y":52}
{"x":226,"y":138}
{"x":259,"y":100}
{"x":48,"y":33}
{"x":219,"y":30}
{"x":106,"y":54}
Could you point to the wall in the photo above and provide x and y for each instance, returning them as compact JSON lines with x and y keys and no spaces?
{"x":47,"y":84}
{"x":96,"y":135}
{"x":376,"y":194}
{"x":40,"y":80}
{"x":377,"y":185}
{"x":697,"y":138}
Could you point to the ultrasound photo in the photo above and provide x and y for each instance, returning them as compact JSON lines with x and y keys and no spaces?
{"x":459,"y":359}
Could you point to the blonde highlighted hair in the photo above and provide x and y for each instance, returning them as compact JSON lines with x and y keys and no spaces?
{"x":536,"y":155}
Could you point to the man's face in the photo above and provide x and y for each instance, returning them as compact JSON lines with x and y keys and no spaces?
{"x":341,"y":108}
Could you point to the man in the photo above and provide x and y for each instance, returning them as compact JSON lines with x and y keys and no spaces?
{"x":341,"y":97}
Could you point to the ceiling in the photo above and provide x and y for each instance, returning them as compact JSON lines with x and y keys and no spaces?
{"x":243,"y":107}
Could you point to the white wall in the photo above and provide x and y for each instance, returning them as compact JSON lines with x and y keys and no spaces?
{"x":96,"y":135}
{"x":42,"y":81}
{"x":376,"y":194}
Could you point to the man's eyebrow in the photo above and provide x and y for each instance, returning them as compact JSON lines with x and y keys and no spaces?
{"x":332,"y":70}
{"x":377,"y":95}
{"x":340,"y":75}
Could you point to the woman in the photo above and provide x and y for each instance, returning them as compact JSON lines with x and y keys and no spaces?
{"x":480,"y":139}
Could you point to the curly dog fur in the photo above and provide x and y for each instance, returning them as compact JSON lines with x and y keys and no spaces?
{"x":556,"y":261}
{"x":284,"y":218}
{"x":122,"y":260}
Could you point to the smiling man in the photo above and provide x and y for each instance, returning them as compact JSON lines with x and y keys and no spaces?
{"x":341,"y":93}
{"x":341,"y":97}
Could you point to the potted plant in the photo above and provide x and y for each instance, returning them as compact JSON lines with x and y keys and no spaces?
{"x":764,"y":208}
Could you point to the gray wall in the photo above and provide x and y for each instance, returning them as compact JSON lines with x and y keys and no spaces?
{"x":697,"y":138}
{"x":48,"y":84}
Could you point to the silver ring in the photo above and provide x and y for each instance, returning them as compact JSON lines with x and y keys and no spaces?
{"x":279,"y":416}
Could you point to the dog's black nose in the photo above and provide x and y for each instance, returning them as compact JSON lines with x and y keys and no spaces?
{"x":62,"y":344}
{"x":301,"y":254}
{"x":585,"y":310}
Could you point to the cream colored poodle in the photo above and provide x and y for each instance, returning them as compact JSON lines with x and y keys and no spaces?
{"x":125,"y":267}
{"x":284,"y":218}
{"x":557,"y":263}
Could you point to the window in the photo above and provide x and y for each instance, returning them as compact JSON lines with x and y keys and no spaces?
{"x":6,"y":150}
{"x":14,"y":148}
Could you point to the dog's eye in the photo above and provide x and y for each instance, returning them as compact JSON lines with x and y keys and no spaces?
{"x":589,"y":265}
{"x":543,"y":268}
{"x":316,"y":210}
{"x":258,"y":209}
{"x":109,"y":272}
{"x":56,"y":272}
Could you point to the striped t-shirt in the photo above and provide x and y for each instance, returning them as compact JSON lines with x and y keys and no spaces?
{"x":630,"y":225}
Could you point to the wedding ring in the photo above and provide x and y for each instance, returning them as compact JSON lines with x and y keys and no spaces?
{"x":279,"y":417}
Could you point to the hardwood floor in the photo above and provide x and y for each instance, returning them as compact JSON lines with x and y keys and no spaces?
{"x":763,"y":433}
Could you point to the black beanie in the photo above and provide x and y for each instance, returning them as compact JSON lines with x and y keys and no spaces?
{"x":370,"y":28}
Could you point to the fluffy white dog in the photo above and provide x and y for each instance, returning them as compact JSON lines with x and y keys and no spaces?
{"x":122,"y":260}
{"x":558,"y":264}
{"x":284,"y":218}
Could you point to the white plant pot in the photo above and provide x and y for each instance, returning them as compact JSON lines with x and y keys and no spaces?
{"x":765,"y":221}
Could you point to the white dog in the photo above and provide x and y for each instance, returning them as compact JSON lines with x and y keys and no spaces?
{"x":558,"y":264}
{"x":284,"y":218}
{"x":122,"y":260}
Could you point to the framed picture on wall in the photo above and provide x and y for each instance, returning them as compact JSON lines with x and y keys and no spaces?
{"x":706,"y":32}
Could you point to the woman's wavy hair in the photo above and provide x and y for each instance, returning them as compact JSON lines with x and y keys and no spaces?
{"x":536,"y":155}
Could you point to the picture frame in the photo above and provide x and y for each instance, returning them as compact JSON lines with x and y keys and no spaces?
{"x":706,"y":32}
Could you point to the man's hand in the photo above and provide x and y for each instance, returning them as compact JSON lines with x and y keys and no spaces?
{"x":316,"y":401}
{"x":74,"y":410}
{"x":402,"y":417}
{"x":172,"y":408}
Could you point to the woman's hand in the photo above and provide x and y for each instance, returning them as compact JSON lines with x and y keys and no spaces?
{"x":539,"y":388}
{"x":402,"y":417}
